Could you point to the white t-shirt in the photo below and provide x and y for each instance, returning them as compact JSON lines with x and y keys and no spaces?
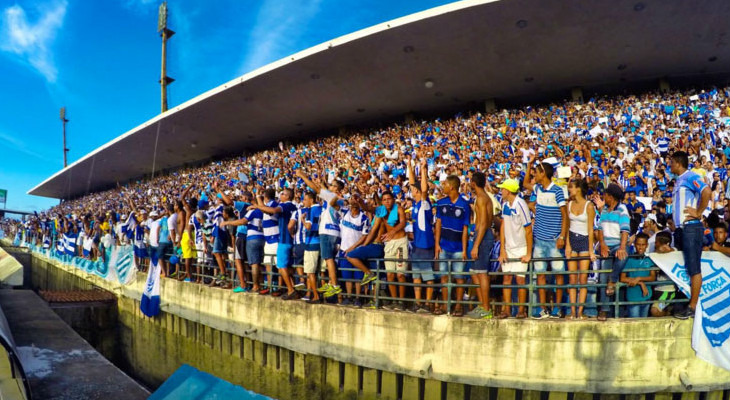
{"x":353,"y":229}
{"x":516,"y":217}
{"x":154,"y":232}
{"x":172,"y":227}
{"x":329,"y":221}
{"x":526,"y":153}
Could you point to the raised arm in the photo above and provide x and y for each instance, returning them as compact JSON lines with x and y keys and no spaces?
{"x":313,"y":185}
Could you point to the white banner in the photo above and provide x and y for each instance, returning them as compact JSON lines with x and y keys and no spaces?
{"x":711,"y":328}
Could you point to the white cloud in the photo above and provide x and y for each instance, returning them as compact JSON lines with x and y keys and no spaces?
{"x":30,"y":41}
{"x":279,"y":26}
{"x":13,"y":143}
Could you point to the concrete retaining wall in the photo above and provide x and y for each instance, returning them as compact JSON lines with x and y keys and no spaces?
{"x":290,"y":349}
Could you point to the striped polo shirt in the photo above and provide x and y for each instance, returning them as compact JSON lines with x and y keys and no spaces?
{"x":613,"y":223}
{"x":548,"y":217}
{"x":271,"y":224}
{"x":454,"y":219}
{"x":687,"y":191}
{"x":299,"y":236}
{"x":662,"y":144}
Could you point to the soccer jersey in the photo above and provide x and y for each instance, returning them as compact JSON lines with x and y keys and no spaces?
{"x":687,"y":190}
{"x":312,"y":235}
{"x":240,"y":207}
{"x":423,"y":225}
{"x":454,"y":218}
{"x":300,"y":232}
{"x":516,"y":217}
{"x":352,"y":228}
{"x":271,"y":224}
{"x":254,"y":229}
{"x":548,"y":216}
{"x":329,"y":222}
{"x":287,"y":210}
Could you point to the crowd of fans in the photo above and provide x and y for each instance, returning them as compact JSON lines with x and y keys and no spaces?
{"x":452,"y":199}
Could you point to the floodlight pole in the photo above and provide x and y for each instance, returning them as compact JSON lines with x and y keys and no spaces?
{"x":65,"y":150}
{"x":166,"y":34}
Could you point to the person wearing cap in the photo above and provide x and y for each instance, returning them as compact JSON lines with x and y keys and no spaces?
{"x":153,"y":227}
{"x":691,"y":196}
{"x":613,"y":234}
{"x":515,"y":236}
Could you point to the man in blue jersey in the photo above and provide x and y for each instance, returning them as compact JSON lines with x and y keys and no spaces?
{"x":690,"y":197}
{"x":283,"y":212}
{"x":613,"y":229}
{"x":423,"y":238}
{"x":451,"y":237}
{"x":550,"y":230}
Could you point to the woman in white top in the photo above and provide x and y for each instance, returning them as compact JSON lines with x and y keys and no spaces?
{"x":580,"y":241}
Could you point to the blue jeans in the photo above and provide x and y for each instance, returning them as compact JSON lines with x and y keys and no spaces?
{"x":545,"y":249}
{"x":616,"y":266}
{"x":639,"y":311}
{"x":688,"y":239}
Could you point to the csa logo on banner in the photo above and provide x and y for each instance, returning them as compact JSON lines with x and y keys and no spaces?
{"x":715,"y":295}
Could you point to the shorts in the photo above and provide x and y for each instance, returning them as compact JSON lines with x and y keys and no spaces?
{"x":688,"y":239}
{"x":363,"y":253}
{"x":240,"y":248}
{"x":164,"y":251}
{"x":255,"y":251}
{"x":202,"y":254}
{"x":187,"y":251}
{"x":422,"y":269}
{"x":283,"y":256}
{"x":578,"y":243}
{"x":457,"y":265}
{"x":220,"y":244}
{"x":485,"y":249}
{"x":311,"y":259}
{"x":328,"y":246}
{"x":394,"y":249}
{"x":347,"y":270}
{"x":297,"y":255}
{"x":517,"y":268}
{"x":140,"y":252}
{"x":270,"y":250}
{"x":546,"y":249}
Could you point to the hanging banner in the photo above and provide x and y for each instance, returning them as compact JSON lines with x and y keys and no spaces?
{"x":118,"y":265}
{"x":150,"y":302}
{"x":711,"y":328}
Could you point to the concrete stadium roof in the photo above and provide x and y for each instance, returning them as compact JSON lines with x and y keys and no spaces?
{"x":471,"y":50}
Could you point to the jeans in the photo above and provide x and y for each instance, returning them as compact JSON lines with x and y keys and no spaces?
{"x":616,"y":266}
{"x":639,"y":311}
{"x":688,"y":239}
{"x":545,"y":249}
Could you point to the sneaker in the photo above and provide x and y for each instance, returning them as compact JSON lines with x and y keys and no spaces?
{"x":556,"y":313}
{"x":412,"y":309}
{"x":357,"y":303}
{"x":487,"y":314}
{"x":278,"y":293}
{"x":390,"y":306}
{"x":238,"y":289}
{"x":346,"y":302}
{"x":422,"y":309}
{"x":186,"y":280}
{"x":290,"y":296}
{"x":476,"y":313}
{"x":333,"y":291}
{"x":300,"y":286}
{"x":370,"y":305}
{"x":369,"y":278}
{"x":400,"y":306}
{"x":543,"y":314}
{"x":264,"y":291}
{"x":305,"y":298}
{"x":324,"y":288}
{"x":685,"y":313}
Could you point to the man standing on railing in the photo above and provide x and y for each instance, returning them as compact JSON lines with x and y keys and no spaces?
{"x":451,"y":239}
{"x":690,"y":196}
{"x":613,"y":234}
{"x":551,"y":229}
{"x":483,"y":243}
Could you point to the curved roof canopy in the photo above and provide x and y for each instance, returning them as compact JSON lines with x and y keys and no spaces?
{"x":471,"y":51}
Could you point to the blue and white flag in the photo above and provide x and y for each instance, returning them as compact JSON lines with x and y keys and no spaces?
{"x":129,"y":226}
{"x":711,"y":328}
{"x":150,"y":304}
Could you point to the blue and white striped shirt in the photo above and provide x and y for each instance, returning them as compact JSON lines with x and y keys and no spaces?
{"x":254,"y":225}
{"x":271,"y":224}
{"x":613,"y":223}
{"x":548,"y":214}
{"x":312,"y":236}
{"x":299,"y":236}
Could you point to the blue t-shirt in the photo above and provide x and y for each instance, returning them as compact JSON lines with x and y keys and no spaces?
{"x":241,"y":207}
{"x":287,"y":209}
{"x":311,"y":240}
{"x":634,"y":293}
{"x":454,"y":219}
{"x":164,"y":231}
{"x":687,"y":189}
{"x":423,"y":225}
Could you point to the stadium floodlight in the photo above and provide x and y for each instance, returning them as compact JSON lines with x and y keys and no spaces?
{"x":428,"y":83}
{"x":65,"y":150}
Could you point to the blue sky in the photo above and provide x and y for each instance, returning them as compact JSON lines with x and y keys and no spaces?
{"x":101,"y":60}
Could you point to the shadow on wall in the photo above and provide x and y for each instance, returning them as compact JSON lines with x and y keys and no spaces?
{"x":592,"y":348}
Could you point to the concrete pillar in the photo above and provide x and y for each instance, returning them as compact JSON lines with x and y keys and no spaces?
{"x":480,"y":393}
{"x":715,"y":395}
{"x":388,"y":386}
{"x":490,"y":105}
{"x":507,"y":394}
{"x":410,"y":388}
{"x":583,"y":396}
{"x":455,"y":391}
{"x":577,"y":94}
{"x":663,"y":85}
{"x":535,"y":395}
{"x":351,"y":383}
{"x":369,"y":383}
{"x":432,"y":390}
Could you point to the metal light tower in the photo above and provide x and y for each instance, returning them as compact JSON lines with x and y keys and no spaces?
{"x":64,"y":121}
{"x":166,"y":34}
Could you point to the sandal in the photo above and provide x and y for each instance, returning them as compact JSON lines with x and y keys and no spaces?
{"x":602,"y":316}
{"x":521,"y":315}
{"x":503,"y":315}
{"x":611,"y":289}
{"x":438,"y":311}
{"x":458,"y":312}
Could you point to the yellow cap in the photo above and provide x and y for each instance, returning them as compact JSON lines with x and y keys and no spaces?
{"x":511,"y":185}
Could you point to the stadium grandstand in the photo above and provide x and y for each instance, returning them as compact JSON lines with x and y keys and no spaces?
{"x":569,"y":129}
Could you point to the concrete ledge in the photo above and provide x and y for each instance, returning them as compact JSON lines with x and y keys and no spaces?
{"x":618,"y":356}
